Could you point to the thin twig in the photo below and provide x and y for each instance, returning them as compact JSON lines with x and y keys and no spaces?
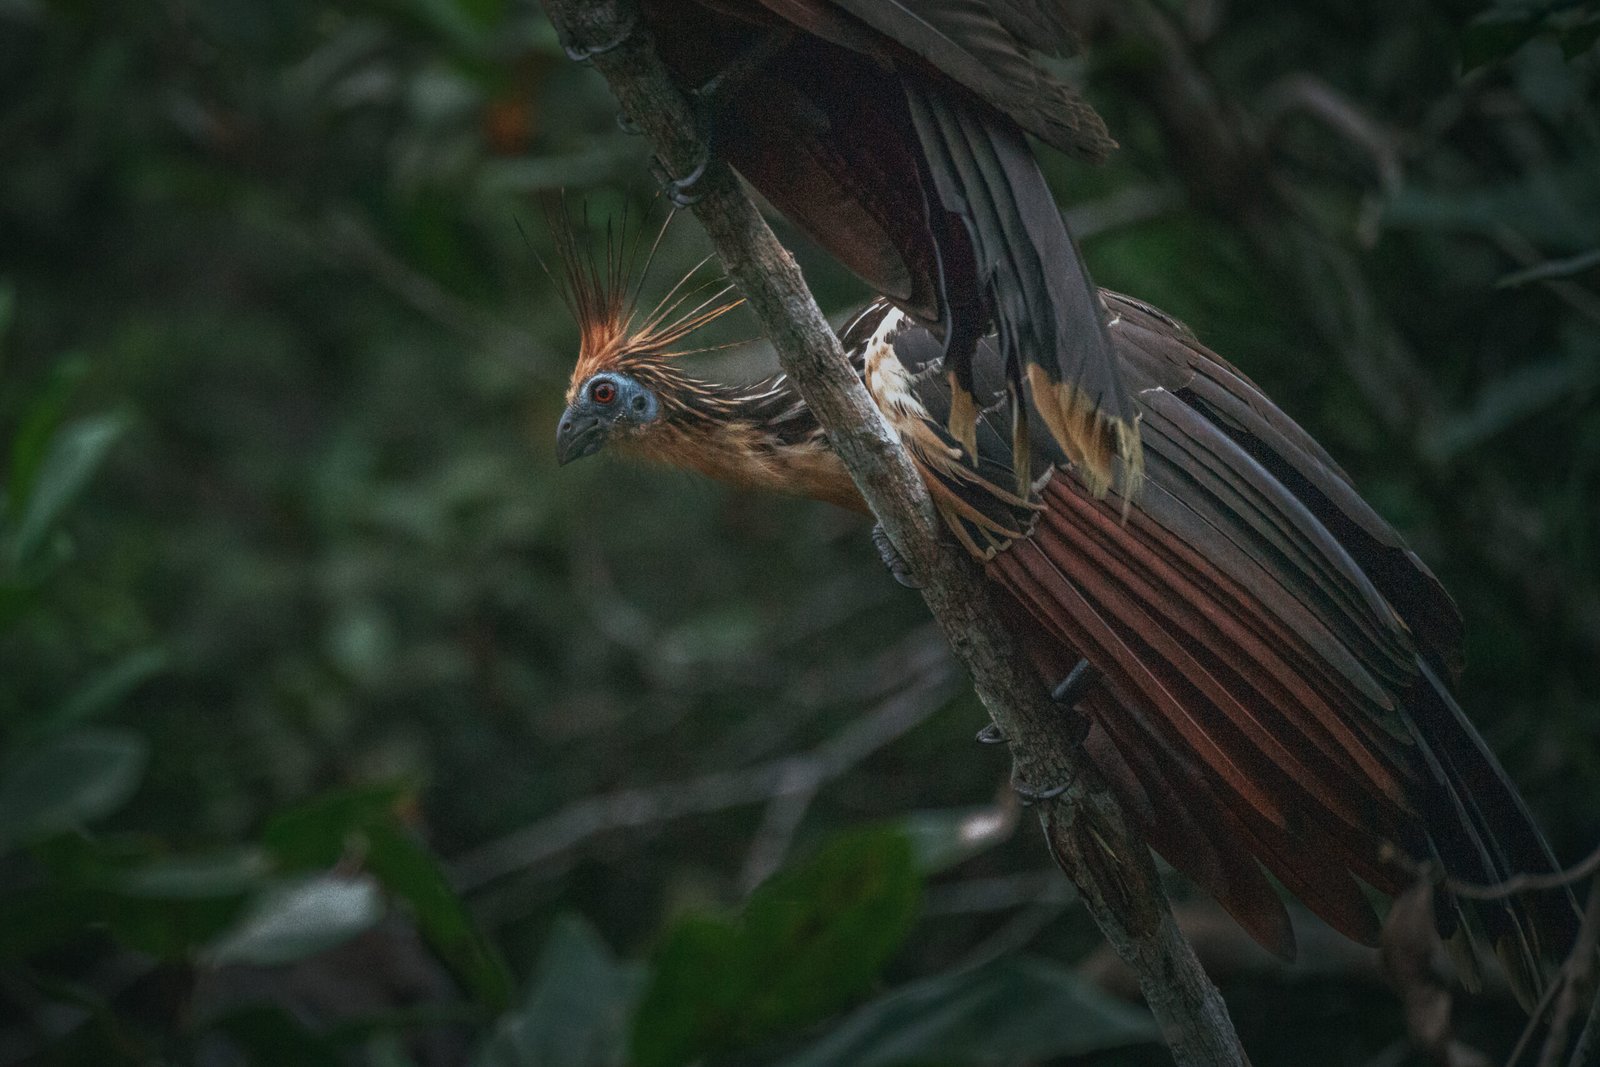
{"x":1519,"y":248}
{"x":976,"y":896}
{"x":1527,"y":883}
{"x":355,"y":243}
{"x":717,"y":791}
{"x":1513,"y":886}
{"x":1013,"y":935}
{"x":1535,"y":1018}
{"x":1577,"y":980}
{"x":775,"y":837}
{"x":1582,"y":1047}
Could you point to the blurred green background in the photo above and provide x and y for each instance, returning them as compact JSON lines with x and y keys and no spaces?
{"x":340,"y":726}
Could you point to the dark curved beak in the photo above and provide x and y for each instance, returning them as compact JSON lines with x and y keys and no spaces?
{"x":577,"y":436}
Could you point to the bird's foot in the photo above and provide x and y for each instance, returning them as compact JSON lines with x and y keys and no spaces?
{"x":1075,"y":684}
{"x":892,"y":559}
{"x":586,"y":53}
{"x":1065,"y":696}
{"x":1031,"y":796}
{"x":682,"y":192}
{"x":708,"y":100}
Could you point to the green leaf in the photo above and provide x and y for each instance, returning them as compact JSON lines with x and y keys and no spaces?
{"x":162,"y":906}
{"x":361,"y":819}
{"x":74,"y":455}
{"x":694,"y":1002}
{"x":1552,"y":270}
{"x":1521,"y":395}
{"x":169,"y":929}
{"x":1549,"y":208}
{"x":315,"y":834}
{"x":579,"y":1006}
{"x":1577,"y":40}
{"x":68,"y":782}
{"x":1494,"y":37}
{"x":43,"y":918}
{"x":45,"y":411}
{"x":1014,"y":1010}
{"x":809,"y":941}
{"x":412,"y":873}
{"x":106,"y":690}
{"x":222,"y":874}
{"x":292,"y":921}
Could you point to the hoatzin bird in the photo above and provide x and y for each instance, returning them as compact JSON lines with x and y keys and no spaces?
{"x":893,"y":133}
{"x":1272,"y":669}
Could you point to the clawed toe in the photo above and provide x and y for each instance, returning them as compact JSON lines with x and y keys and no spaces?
{"x":583,"y":54}
{"x":991,"y":735}
{"x":893,"y":560}
{"x":1031,"y":796}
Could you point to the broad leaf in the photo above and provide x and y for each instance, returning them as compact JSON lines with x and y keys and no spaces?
{"x":72,"y":458}
{"x":1014,"y":1010}
{"x":39,"y":422}
{"x":293,"y":921}
{"x":580,"y":1003}
{"x":221,"y":874}
{"x":67,"y":782}
{"x":412,"y":873}
{"x":809,"y":941}
{"x":1494,"y":37}
{"x":105,"y":690}
{"x":314,"y":834}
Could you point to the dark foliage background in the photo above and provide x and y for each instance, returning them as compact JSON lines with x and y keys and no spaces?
{"x":340,"y":726}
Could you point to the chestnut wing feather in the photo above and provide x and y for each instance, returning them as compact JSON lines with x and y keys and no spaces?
{"x":1275,"y":659}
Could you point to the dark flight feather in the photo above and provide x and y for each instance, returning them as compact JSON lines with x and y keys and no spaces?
{"x":1252,"y":613}
{"x":988,"y":48}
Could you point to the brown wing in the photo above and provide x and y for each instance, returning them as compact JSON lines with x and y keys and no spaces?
{"x":1270,"y":655}
{"x":823,"y":133}
{"x":988,"y":47}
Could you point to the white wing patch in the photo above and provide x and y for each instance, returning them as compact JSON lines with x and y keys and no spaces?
{"x":939,"y":458}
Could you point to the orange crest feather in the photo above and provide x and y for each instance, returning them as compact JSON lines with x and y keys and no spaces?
{"x":603,"y":297}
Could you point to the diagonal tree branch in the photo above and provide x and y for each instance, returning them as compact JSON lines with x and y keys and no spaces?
{"x":1109,"y":863}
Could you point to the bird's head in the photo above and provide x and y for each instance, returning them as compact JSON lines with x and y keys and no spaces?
{"x":602,"y":406}
{"x":626,"y":384}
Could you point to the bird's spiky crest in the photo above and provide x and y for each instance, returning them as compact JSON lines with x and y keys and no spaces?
{"x":603,"y":296}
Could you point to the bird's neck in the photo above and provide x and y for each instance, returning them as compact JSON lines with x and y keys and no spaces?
{"x":759,"y":436}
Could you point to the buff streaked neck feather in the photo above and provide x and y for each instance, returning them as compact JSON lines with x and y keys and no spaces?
{"x":761,"y":436}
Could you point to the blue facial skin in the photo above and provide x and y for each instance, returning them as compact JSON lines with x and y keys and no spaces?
{"x":608,"y":403}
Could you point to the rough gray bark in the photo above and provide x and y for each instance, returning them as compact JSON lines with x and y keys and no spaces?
{"x":1110,"y":864}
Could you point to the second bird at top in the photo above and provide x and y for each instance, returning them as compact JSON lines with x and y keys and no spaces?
{"x":893,"y":133}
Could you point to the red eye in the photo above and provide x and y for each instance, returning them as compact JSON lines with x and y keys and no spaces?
{"x":602,"y":392}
